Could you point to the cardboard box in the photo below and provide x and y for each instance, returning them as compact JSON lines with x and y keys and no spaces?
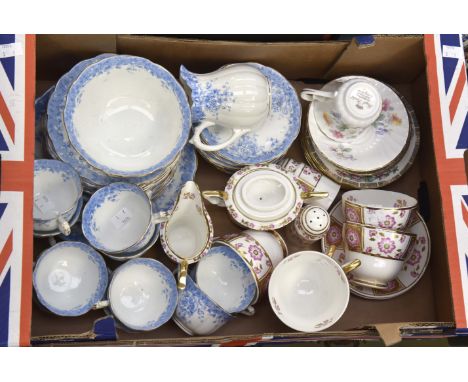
{"x":425,"y":311}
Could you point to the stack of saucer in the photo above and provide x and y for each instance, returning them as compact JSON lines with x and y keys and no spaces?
{"x":243,"y":114}
{"x":116,"y":118}
{"x":361,"y":133}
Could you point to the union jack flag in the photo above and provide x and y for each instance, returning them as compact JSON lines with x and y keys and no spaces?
{"x":17,"y":82}
{"x":448,"y":96}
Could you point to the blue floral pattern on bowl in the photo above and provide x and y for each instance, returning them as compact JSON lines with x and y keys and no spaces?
{"x":131,"y":63}
{"x":96,"y":295}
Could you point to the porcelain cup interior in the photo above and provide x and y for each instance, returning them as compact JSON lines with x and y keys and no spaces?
{"x":142,"y":294}
{"x":117,"y":217}
{"x":125,"y":115}
{"x":224,"y":276}
{"x":69,"y":278}
{"x":380,"y":208}
{"x":374,"y":270}
{"x":273,"y":243}
{"x":196,"y":313}
{"x":57,"y":189}
{"x":377,"y":241}
{"x":265,"y":195}
{"x":308,"y":291}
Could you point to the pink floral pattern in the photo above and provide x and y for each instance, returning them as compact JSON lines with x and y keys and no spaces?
{"x":415,"y":258}
{"x":353,"y":238}
{"x":386,"y":245}
{"x":352,"y":215}
{"x":389,"y":222}
{"x":255,"y":252}
{"x":334,"y":235}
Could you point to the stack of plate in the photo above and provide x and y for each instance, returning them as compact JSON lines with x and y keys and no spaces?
{"x":379,"y":156}
{"x":116,"y":118}
{"x":267,"y":143}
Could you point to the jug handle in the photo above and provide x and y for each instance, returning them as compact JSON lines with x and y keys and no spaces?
{"x":182,"y":278}
{"x":215,"y":197}
{"x":196,"y":140}
{"x":308,"y":94}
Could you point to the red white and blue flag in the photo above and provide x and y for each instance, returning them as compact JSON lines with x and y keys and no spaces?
{"x":448,"y":96}
{"x":17,"y":83}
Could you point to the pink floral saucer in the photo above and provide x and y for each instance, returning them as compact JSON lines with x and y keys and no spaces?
{"x":412,"y":271}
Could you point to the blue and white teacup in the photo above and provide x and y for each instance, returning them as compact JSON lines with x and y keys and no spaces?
{"x":142,"y":294}
{"x":118,"y":218}
{"x":70,"y":278}
{"x":196,"y":313}
{"x":57,"y":196}
{"x":225,"y":277}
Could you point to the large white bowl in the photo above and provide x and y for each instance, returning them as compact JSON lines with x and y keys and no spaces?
{"x":69,"y":278}
{"x":127,"y":116}
{"x":308,"y":291}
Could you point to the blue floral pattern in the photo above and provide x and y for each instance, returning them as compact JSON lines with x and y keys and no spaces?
{"x":130,"y":63}
{"x":196,"y":310}
{"x":96,"y":295}
{"x":285,"y":111}
{"x":185,"y":171}
{"x":168,"y":291}
{"x":106,"y":194}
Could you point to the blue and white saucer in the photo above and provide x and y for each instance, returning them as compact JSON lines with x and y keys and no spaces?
{"x":270,"y":141}
{"x":185,"y":171}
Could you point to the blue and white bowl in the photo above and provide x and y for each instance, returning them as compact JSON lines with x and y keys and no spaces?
{"x":142,"y":294}
{"x":127,"y":116}
{"x":118,"y":218}
{"x":196,"y":313}
{"x":69,"y":278}
{"x":57,"y":193}
{"x":224,"y":276}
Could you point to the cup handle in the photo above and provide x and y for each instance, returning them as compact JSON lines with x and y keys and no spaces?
{"x":308,"y":94}
{"x":196,"y":140}
{"x":52,"y":241}
{"x":182,"y":277}
{"x":249,"y":311}
{"x":160,"y":217}
{"x":63,"y":226}
{"x":215,"y":197}
{"x":307,"y":196}
{"x":349,"y":267}
{"x":331,"y":250}
{"x":101,"y":305}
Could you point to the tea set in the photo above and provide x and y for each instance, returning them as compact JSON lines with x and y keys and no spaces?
{"x":114,"y":172}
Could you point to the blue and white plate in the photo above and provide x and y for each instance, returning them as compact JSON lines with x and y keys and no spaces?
{"x":185,"y":171}
{"x":127,"y":116}
{"x":274,"y":138}
{"x":69,"y":278}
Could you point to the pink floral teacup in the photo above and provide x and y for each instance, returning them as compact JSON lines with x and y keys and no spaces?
{"x":377,"y":241}
{"x":379,"y":208}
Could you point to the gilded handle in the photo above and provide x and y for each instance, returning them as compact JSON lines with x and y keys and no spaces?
{"x":101,"y":305}
{"x":313,"y":194}
{"x":63,"y":226}
{"x":331,"y":250}
{"x":216,"y":197}
{"x":182,"y":282}
{"x":349,"y":267}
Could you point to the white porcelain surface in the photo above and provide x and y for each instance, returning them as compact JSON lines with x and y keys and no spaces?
{"x":236,"y":97}
{"x":142,"y":294}
{"x":226,"y":279}
{"x":188,"y":233}
{"x":273,"y":243}
{"x":69,"y":278}
{"x":57,"y":190}
{"x":308,"y":291}
{"x":127,"y":116}
{"x":374,"y":269}
{"x":117,"y":217}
